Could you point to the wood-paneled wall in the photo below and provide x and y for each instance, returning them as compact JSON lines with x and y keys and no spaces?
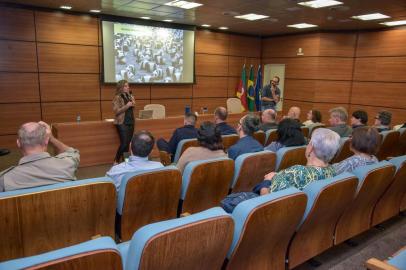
{"x":50,"y":65}
{"x":365,"y":70}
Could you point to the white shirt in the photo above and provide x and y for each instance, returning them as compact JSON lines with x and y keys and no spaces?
{"x":134,"y":164}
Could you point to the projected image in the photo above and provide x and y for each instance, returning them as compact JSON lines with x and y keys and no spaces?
{"x":145,"y":54}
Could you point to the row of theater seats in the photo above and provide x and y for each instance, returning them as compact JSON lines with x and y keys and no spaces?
{"x":288,"y":226}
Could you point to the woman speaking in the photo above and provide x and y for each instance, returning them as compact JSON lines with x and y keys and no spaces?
{"x":123,"y":104}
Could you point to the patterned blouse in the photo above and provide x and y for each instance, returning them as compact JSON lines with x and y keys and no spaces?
{"x":353,"y":162}
{"x":300,"y":176}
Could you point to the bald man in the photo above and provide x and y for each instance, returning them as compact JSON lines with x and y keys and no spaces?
{"x":268,"y":119}
{"x":220,"y":117}
{"x":294,"y":113}
{"x":37,"y":167}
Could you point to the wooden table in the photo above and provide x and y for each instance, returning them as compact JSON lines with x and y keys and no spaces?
{"x":98,"y":141}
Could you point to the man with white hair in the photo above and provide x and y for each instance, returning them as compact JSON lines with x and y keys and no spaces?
{"x":268,"y":119}
{"x":338,"y":121}
{"x":37,"y":167}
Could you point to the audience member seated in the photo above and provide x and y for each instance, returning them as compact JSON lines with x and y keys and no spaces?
{"x":246,"y":144}
{"x":210,"y":146}
{"x":365,"y":142}
{"x":268,"y":118}
{"x":188,"y":131}
{"x":289,"y":134}
{"x":383,"y":120}
{"x":141,"y":146}
{"x":338,"y":121}
{"x":220,"y":117}
{"x":313,"y":117}
{"x":294,"y":113}
{"x":37,"y":167}
{"x":359,"y":119}
{"x":320,"y":150}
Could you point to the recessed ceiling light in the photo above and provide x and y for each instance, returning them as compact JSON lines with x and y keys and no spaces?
{"x":183,"y":4}
{"x":302,"y":25}
{"x":146,"y":18}
{"x":394,"y":23}
{"x":320,"y":3}
{"x":95,"y":10}
{"x":205,"y":25}
{"x":373,"y":16}
{"x":168,"y":20}
{"x":223,"y":28}
{"x":65,"y":7}
{"x":251,"y":17}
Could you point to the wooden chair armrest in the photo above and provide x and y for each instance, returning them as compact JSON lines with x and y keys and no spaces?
{"x":375,"y":264}
{"x":165,"y":158}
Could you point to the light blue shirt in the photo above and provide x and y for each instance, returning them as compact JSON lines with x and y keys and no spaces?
{"x":134,"y":164}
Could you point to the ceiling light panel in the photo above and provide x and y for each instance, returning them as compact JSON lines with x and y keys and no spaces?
{"x":66,"y":7}
{"x":373,"y":16}
{"x":320,"y":3}
{"x":302,"y":25}
{"x":394,"y":23}
{"x":183,"y":4}
{"x":251,"y":17}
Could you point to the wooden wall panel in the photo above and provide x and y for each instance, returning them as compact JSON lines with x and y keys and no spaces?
{"x":210,"y":103}
{"x":235,"y":65}
{"x":210,"y":87}
{"x":107,"y":108}
{"x":300,"y":89}
{"x":232,"y":85}
{"x":63,"y":28}
{"x":212,"y":42}
{"x":17,"y":24}
{"x":398,"y":115}
{"x":174,"y":107}
{"x":245,"y":46}
{"x":18,"y":56}
{"x":171,"y":91}
{"x":9,"y":142}
{"x":379,"y":94}
{"x":58,"y":112}
{"x":211,"y":65}
{"x":382,"y":43}
{"x":332,"y":91}
{"x":139,"y":91}
{"x":335,"y":68}
{"x":12,"y":116}
{"x":19,"y":87}
{"x":68,"y":58}
{"x":381,"y":69}
{"x":69,"y":87}
{"x":287,"y":46}
{"x":333,"y":44}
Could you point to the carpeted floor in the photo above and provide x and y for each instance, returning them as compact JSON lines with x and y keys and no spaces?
{"x":374,"y":243}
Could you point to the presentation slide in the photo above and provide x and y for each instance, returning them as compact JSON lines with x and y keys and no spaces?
{"x":147,"y":54}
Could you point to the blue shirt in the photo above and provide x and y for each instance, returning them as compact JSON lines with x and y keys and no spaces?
{"x":134,"y":164}
{"x":244,"y":145}
{"x":185,"y":132}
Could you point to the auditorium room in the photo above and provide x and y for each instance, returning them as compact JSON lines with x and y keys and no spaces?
{"x":201,"y":134}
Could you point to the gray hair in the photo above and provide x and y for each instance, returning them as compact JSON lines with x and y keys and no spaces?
{"x":31,"y":135}
{"x":325,"y":143}
{"x":250,"y":124}
{"x":340,"y":112}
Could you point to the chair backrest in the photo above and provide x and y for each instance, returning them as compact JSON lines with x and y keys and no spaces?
{"x":270,"y":136}
{"x":326,"y":201}
{"x":229,"y":140}
{"x":389,"y":204}
{"x":305,"y":131}
{"x":344,"y":150}
{"x":198,"y":241}
{"x":289,"y":156}
{"x":373,"y":181}
{"x":263,"y":228}
{"x":101,"y":253}
{"x":396,"y":262}
{"x":259,"y":136}
{"x":165,"y":158}
{"x":158,"y":110}
{"x":402,"y":141}
{"x":146,"y":197}
{"x":182,"y":146}
{"x":390,"y":144}
{"x":251,"y":168}
{"x":234,"y":105}
{"x":205,"y":183}
{"x":45,"y":218}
